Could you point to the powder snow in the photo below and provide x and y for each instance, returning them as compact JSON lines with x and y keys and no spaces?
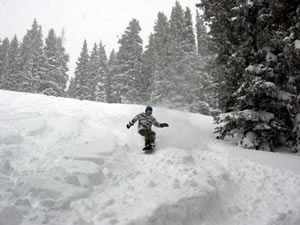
{"x":71,"y":162}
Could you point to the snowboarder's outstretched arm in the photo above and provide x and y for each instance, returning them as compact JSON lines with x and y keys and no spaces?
{"x":157,"y":124}
{"x":130,"y":123}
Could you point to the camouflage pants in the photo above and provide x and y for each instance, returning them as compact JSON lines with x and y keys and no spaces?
{"x":149,"y":136}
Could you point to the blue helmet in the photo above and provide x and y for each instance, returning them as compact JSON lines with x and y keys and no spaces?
{"x":148,"y":110}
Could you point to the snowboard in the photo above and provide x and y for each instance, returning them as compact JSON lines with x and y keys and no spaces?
{"x":148,"y":149}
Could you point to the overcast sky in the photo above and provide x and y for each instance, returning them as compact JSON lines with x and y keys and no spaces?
{"x":93,"y":20}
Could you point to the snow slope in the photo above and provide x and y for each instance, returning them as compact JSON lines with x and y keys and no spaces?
{"x":71,"y":162}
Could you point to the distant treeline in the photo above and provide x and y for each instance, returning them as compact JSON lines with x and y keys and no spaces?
{"x":171,"y":71}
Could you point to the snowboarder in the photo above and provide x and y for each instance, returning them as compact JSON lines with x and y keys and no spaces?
{"x":144,"y":127}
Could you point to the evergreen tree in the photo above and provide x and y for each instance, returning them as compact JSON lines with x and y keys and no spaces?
{"x":181,"y":58}
{"x":200,"y":96}
{"x":128,"y":64}
{"x":162,"y":57}
{"x":71,"y":92}
{"x":94,"y":66}
{"x":191,"y":84}
{"x":255,"y":42}
{"x":63,"y":64}
{"x":10,"y":77}
{"x":148,"y":68}
{"x":53,"y":81}
{"x":32,"y":60}
{"x":80,"y":86}
{"x":158,"y":51}
{"x":4,"y":52}
{"x":189,"y":45}
{"x":110,"y":83}
{"x":101,"y":92}
{"x":177,"y":29}
{"x":202,"y":86}
{"x":203,"y":42}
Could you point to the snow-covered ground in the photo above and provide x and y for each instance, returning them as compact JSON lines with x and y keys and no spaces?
{"x":71,"y":162}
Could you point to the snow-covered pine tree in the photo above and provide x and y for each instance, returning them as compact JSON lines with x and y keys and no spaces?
{"x":32,"y":60}
{"x":189,"y":42}
{"x":63,"y":64}
{"x":256,"y":51}
{"x":149,"y":60}
{"x":48,"y":80}
{"x":192,"y":84}
{"x":93,"y":73}
{"x":71,"y":91}
{"x":4,"y":52}
{"x":158,"y":49}
{"x":177,"y":28}
{"x":175,"y":67}
{"x":201,"y":85}
{"x":101,"y":79}
{"x":80,"y":88}
{"x":53,"y":81}
{"x":10,"y":77}
{"x":128,"y":64}
{"x":182,"y":60}
{"x":110,"y":87}
{"x":203,"y":40}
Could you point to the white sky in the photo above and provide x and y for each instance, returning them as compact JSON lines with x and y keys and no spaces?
{"x":93,"y":20}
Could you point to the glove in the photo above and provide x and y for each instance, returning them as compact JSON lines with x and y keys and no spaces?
{"x":164,"y":125}
{"x":129,"y":125}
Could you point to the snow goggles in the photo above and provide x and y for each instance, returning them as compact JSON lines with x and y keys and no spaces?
{"x":149,"y":111}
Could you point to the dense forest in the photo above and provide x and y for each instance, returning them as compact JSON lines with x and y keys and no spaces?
{"x":170,"y":71}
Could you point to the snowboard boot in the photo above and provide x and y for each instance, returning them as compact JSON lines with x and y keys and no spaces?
{"x":147,"y":145}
